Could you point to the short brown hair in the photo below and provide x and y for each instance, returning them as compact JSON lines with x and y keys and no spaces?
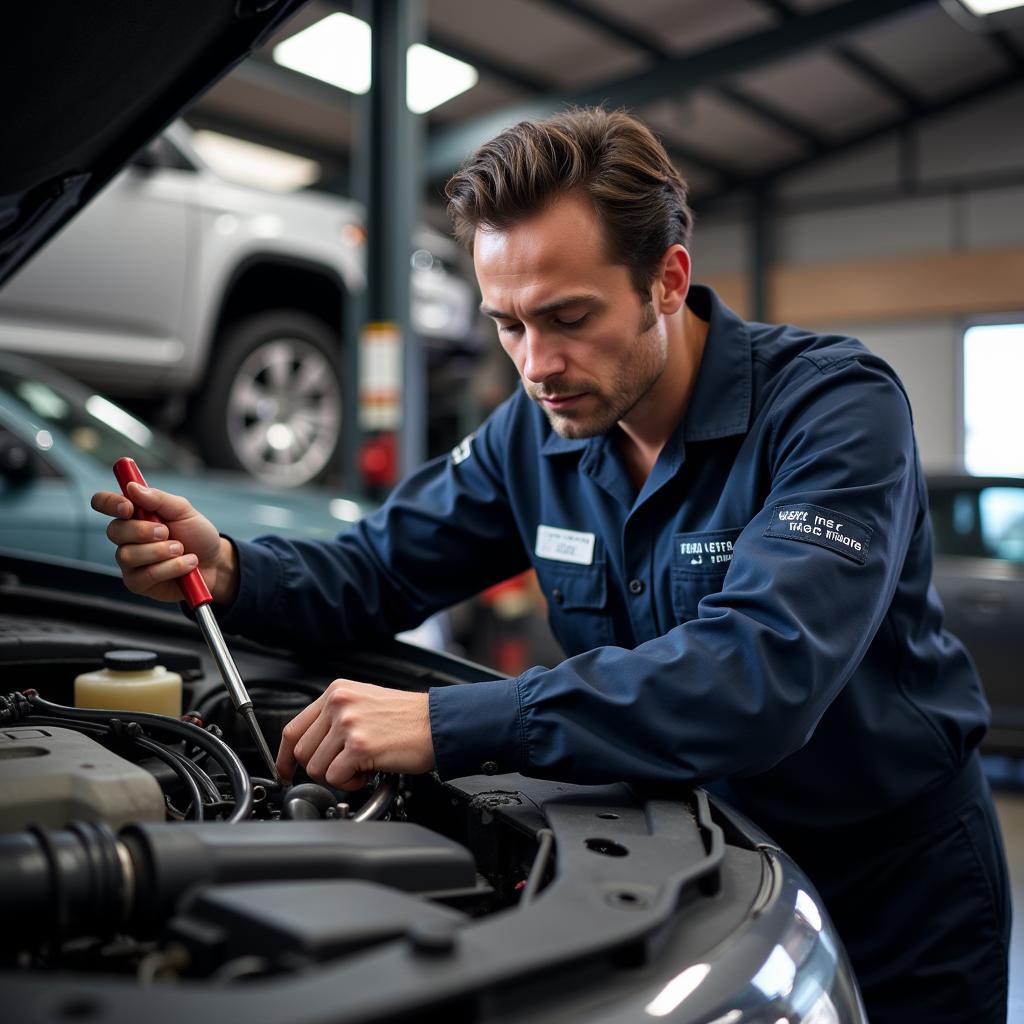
{"x":611,"y":157}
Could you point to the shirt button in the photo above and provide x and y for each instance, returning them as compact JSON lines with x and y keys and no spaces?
{"x":636,"y":586}
{"x":489,"y":768}
{"x":557,"y":596}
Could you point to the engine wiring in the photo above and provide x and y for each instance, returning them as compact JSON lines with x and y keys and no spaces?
{"x":145,"y":731}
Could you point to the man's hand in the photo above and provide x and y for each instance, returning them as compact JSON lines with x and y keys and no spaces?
{"x":153,"y":556}
{"x":354,"y":729}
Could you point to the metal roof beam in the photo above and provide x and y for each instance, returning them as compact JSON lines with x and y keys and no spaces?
{"x":927,"y":111}
{"x":862,"y":65}
{"x":618,"y":30}
{"x":672,"y":77}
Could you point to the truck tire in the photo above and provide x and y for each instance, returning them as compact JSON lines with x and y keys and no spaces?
{"x":273,"y":402}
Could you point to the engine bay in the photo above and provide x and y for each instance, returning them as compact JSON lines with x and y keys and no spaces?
{"x":144,"y":854}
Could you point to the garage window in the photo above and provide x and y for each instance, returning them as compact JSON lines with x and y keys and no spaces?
{"x":993,"y":409}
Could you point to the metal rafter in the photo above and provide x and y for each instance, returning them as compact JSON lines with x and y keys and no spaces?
{"x":977,"y":92}
{"x":1007,"y":48}
{"x":622,"y":32}
{"x":865,"y":67}
{"x":673,"y":76}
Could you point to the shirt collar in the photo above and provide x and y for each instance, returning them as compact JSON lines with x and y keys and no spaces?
{"x":720,"y":403}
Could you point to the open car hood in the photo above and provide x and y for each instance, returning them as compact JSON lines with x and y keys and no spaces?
{"x":87,"y":85}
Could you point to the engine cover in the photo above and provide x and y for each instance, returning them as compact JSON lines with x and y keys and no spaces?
{"x":54,"y":776}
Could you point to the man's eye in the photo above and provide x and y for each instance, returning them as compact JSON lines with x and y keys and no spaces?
{"x":570,"y":324}
{"x":509,"y":328}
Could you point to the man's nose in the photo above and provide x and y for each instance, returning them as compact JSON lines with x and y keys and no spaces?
{"x":543,"y":358}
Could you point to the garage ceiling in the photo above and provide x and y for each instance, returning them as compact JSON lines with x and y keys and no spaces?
{"x":741,"y":91}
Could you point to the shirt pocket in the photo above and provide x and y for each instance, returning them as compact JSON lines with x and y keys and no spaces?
{"x":577,"y":597}
{"x":700,"y":562}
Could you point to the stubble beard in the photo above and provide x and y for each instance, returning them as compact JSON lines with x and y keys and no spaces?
{"x":639,"y":371}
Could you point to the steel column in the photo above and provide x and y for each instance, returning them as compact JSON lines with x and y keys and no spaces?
{"x":387,"y":175}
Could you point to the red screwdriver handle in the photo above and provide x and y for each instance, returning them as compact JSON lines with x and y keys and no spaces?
{"x":193,"y":586}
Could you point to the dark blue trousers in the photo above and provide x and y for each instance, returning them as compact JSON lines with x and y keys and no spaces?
{"x":921,"y":900}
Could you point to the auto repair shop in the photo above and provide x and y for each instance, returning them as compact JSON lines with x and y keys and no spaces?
{"x":232,"y":258}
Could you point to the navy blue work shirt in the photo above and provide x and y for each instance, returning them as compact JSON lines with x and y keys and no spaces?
{"x":761,"y":612}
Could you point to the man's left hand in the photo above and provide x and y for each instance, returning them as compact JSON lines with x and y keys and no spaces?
{"x":353,"y":730}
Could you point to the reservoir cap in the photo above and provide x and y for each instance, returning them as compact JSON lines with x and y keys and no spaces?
{"x":129,"y":661}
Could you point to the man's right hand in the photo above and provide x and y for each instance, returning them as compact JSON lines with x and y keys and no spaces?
{"x":153,"y":556}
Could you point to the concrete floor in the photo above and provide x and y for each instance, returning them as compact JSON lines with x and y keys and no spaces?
{"x":1010,"y":804}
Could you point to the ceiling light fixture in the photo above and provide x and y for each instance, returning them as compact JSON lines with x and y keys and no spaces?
{"x":433,"y":78}
{"x":983,"y":7}
{"x":336,"y":50}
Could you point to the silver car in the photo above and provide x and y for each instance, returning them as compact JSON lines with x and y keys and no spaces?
{"x":175,"y":284}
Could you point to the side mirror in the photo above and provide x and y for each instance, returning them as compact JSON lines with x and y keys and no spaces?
{"x":17,"y":460}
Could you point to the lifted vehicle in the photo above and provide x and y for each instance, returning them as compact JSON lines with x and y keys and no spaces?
{"x":176,"y":283}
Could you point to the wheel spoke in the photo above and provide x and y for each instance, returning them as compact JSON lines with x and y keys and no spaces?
{"x":313,"y":376}
{"x":278,"y":358}
{"x":254,"y":444}
{"x":246,"y":396}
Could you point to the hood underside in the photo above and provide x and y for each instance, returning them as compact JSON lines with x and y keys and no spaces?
{"x":87,"y":85}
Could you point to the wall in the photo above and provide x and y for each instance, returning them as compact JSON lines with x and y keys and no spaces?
{"x":903,"y":243}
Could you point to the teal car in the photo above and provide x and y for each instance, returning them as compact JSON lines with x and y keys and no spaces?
{"x":58,"y":441}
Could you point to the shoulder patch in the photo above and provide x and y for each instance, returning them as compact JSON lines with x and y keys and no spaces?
{"x":463,"y":449}
{"x":813,"y":524}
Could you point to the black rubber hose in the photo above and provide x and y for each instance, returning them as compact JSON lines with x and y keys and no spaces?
{"x":241,"y":784}
{"x":178,"y":766}
{"x":190,"y":774}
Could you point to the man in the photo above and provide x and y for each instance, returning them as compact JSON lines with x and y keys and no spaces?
{"x":730,"y":523}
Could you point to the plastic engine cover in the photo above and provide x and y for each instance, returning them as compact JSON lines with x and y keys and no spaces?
{"x":56,"y":776}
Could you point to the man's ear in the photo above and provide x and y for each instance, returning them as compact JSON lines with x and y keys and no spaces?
{"x":672,"y":281}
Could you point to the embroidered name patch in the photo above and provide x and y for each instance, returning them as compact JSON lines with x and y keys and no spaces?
{"x":701,"y":553}
{"x":821,"y":526}
{"x":565,"y":545}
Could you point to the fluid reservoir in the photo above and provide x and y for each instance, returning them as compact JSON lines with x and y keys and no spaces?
{"x":130,"y":681}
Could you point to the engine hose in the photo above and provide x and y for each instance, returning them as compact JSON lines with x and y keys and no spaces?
{"x":177,"y":764}
{"x":61,"y":884}
{"x":241,"y":784}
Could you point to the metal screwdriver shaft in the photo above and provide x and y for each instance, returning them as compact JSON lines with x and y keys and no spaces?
{"x":198,"y":597}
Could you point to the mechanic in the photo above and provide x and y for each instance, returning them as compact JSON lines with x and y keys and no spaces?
{"x":730,"y":523}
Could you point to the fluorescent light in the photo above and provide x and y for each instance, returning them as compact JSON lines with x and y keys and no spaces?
{"x":433,"y":78}
{"x":983,"y":7}
{"x":336,"y":50}
{"x":252,"y":164}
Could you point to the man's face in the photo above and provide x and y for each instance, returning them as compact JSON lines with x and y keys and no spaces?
{"x":587,"y":349}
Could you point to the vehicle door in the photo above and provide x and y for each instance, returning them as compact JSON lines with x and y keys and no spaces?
{"x":979,"y":572}
{"x":41,"y":508}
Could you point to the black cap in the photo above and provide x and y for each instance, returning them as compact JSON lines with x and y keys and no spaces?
{"x":129,"y":661}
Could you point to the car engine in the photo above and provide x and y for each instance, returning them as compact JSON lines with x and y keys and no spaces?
{"x":149,"y":869}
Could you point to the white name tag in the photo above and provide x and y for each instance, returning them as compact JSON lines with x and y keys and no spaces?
{"x":565,"y":545}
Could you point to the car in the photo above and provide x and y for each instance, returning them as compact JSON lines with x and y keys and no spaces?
{"x":58,"y":440}
{"x":151,"y":869}
{"x":177,"y":285}
{"x":978,"y":522}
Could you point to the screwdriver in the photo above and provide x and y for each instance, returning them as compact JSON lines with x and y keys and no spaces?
{"x":198,"y":597}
